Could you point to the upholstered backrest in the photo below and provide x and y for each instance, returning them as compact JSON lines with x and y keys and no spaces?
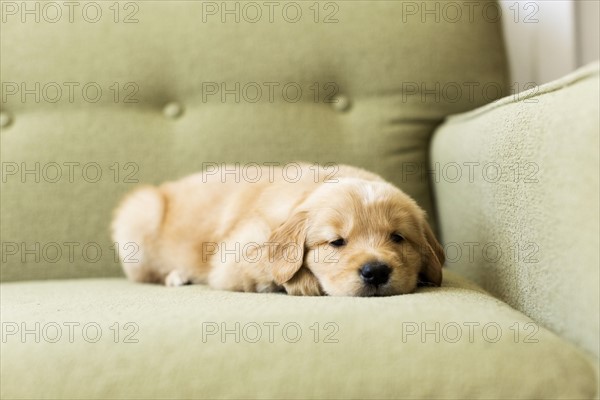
{"x":100,"y":96}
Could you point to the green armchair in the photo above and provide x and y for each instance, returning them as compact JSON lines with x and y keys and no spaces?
{"x":98,"y":97}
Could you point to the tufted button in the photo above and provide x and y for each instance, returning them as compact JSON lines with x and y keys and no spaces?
{"x":173,"y":110}
{"x":5,"y":119}
{"x":341,"y":103}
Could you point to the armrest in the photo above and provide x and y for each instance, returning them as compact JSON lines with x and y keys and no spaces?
{"x":517,"y":190}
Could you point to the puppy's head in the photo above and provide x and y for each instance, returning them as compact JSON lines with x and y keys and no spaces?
{"x":356,"y":238}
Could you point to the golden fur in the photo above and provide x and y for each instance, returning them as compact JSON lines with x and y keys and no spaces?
{"x":276,"y":234}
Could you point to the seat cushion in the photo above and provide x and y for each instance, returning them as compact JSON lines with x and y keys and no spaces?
{"x":129,"y":93}
{"x":144,"y":341}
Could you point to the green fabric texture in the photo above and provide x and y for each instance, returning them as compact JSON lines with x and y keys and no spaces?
{"x":375,"y":356}
{"x":540,"y":227}
{"x":395,"y":77}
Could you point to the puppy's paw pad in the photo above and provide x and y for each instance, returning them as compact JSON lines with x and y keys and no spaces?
{"x":175,"y":279}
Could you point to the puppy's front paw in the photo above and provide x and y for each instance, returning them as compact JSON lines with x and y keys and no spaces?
{"x":175,"y":279}
{"x":304,"y":283}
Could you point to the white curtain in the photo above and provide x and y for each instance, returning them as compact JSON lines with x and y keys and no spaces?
{"x":547,"y":39}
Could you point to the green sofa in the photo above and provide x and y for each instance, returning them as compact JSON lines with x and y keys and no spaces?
{"x":98,"y":97}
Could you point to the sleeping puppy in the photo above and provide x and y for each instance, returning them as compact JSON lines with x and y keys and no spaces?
{"x":352,"y":234}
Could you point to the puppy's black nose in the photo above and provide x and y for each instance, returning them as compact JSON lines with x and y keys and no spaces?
{"x":375,"y":273}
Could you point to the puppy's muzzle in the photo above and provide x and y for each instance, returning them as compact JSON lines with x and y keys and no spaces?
{"x":375,"y":273}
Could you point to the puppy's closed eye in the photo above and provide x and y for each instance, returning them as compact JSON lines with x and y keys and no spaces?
{"x":338,"y":243}
{"x":397,"y":238}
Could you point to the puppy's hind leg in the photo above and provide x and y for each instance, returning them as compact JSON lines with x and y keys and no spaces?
{"x":135,"y":227}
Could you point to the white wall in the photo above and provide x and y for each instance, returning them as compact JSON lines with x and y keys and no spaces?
{"x":547,"y":39}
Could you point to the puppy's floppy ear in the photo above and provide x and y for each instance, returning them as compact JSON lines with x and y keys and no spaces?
{"x":433,"y":259}
{"x":286,"y":250}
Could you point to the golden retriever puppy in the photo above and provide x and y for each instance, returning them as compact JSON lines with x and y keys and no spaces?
{"x":301,"y":230}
